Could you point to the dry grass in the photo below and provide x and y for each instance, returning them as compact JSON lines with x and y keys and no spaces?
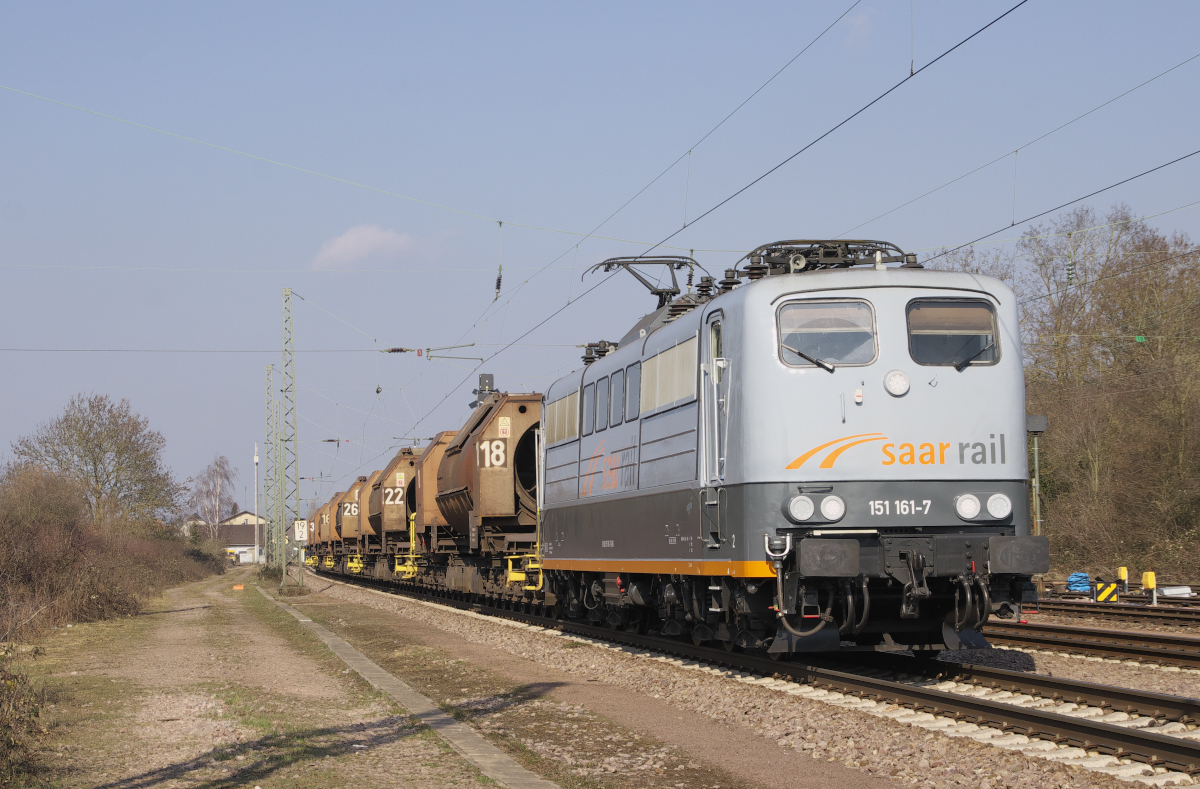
{"x":55,"y":568}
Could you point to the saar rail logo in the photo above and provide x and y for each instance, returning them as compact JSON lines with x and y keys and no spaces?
{"x":836,"y":448}
{"x":917,"y":453}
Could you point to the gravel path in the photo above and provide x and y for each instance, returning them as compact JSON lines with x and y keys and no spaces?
{"x":881,"y":739}
{"x":203,"y":690}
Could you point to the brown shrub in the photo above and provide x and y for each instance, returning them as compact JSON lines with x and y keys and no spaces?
{"x":56,"y":568}
{"x":20,"y":705}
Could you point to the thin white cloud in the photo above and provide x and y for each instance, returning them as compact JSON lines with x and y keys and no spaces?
{"x":860,"y":31}
{"x":359,"y":243}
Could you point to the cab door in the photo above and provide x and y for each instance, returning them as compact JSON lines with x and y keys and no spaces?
{"x":715,"y":399}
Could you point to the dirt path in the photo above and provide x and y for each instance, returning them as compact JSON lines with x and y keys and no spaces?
{"x":216,"y":688}
{"x":579,"y":731}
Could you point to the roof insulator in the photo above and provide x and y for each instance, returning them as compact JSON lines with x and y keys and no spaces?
{"x":756,"y":269}
{"x":731,"y":281}
{"x":705,"y":288}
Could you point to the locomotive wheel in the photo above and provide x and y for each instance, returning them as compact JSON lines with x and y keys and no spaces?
{"x":730,"y":646}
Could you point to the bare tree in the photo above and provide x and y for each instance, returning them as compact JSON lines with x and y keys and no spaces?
{"x":111,"y":453}
{"x":213,"y":491}
{"x":1109,"y":310}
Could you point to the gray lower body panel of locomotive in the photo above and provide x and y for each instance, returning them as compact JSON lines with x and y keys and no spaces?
{"x":904,"y":540}
{"x":728,"y":523}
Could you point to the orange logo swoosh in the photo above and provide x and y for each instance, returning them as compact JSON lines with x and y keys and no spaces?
{"x":833,"y":456}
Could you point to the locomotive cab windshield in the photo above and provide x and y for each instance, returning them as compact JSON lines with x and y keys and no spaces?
{"x":826,"y":333}
{"x":954,"y":333}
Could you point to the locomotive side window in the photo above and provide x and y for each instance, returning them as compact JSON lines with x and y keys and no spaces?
{"x":952,"y":332}
{"x":669,"y":377}
{"x":826,"y":333}
{"x":601,"y":404}
{"x":589,"y":409}
{"x":718,"y":350}
{"x":618,"y":396}
{"x":633,"y":391}
{"x":562,"y":418}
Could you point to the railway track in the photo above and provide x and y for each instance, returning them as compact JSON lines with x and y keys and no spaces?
{"x":1055,"y":710}
{"x":1185,"y":614}
{"x":1144,"y":646}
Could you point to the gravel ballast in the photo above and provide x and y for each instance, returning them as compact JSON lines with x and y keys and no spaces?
{"x":880,"y":739}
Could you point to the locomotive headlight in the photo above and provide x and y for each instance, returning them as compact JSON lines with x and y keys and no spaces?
{"x":801,"y":508}
{"x":967,"y":506}
{"x":896,"y":382}
{"x":833,"y":508}
{"x":999,"y":506}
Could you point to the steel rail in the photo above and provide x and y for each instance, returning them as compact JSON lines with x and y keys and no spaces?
{"x":1162,"y":648}
{"x":1134,"y":702}
{"x":1184,"y":613}
{"x":1157,"y":750}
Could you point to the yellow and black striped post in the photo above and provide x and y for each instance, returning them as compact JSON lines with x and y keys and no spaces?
{"x":1107,"y":592}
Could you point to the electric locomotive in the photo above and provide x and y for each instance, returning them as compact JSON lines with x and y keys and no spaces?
{"x":822,"y":451}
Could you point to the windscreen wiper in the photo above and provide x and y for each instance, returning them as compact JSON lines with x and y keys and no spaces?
{"x":819,"y":363}
{"x":960,"y":365}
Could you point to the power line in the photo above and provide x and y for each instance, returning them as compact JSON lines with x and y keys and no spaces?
{"x":654,"y":180}
{"x":178,"y":350}
{"x":709,"y":133}
{"x":1080,"y":230}
{"x":1064,"y":205}
{"x":851,"y":117}
{"x":493,"y":306}
{"x":296,"y":168}
{"x":1156,"y":264}
{"x":844,"y":233}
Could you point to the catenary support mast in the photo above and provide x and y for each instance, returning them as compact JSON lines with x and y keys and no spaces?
{"x":269,"y":470}
{"x":291,"y":448}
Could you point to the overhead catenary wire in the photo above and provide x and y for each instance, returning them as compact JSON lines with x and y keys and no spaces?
{"x":1038,"y":236}
{"x":297,"y":168}
{"x":245,"y":350}
{"x":840,"y":124}
{"x":662,"y":243}
{"x":1075,"y":286}
{"x":592,"y":234}
{"x":671,"y":166}
{"x":1013,"y":152}
{"x":1068,"y":203}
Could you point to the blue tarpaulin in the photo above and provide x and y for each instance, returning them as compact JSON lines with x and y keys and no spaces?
{"x":1079,"y":582}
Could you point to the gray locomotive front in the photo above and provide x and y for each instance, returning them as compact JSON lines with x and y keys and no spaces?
{"x":840,"y":452}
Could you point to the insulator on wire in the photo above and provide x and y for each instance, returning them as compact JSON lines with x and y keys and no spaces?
{"x":499,"y":277}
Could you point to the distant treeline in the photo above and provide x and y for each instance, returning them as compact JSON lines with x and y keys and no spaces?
{"x":1110,"y":322}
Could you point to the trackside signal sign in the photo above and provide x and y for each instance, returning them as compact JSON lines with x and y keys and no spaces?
{"x":1106,"y":593}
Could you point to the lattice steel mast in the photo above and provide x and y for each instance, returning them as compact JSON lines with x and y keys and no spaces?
{"x":291,"y":447}
{"x":269,"y":470}
{"x":280,"y":512}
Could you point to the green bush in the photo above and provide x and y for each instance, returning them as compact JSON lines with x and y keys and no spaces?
{"x":269,"y":574}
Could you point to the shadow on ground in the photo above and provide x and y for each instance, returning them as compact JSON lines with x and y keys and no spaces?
{"x":292,"y":749}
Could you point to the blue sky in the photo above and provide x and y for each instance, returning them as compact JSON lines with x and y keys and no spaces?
{"x":553,"y":115}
